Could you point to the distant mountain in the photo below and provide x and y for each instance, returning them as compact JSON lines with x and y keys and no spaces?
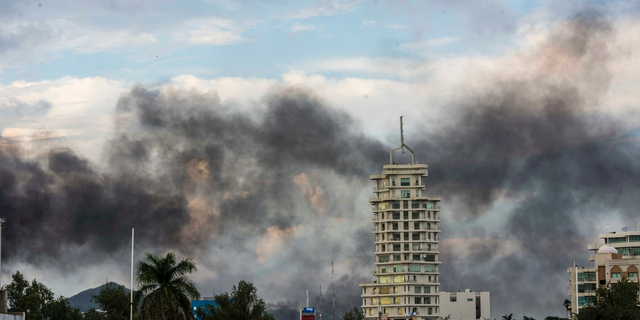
{"x":82,"y":300}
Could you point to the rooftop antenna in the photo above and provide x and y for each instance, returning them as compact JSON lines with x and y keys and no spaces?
{"x":402,"y":146}
{"x":333,"y":293}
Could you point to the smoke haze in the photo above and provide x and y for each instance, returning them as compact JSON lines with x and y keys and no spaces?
{"x":274,"y":193}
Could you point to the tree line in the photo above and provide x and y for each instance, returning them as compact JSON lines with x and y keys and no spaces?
{"x":165,"y":293}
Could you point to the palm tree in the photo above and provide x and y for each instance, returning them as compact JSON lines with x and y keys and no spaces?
{"x":508,"y":316}
{"x":167,"y":289}
{"x":567,"y":305}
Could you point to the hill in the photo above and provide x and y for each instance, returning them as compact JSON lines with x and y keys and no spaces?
{"x":82,"y":300}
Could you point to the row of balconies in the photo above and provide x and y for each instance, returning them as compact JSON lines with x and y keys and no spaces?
{"x":427,"y":197}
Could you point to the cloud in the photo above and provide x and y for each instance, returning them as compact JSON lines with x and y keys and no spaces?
{"x":296,"y":27}
{"x":428,"y":43}
{"x":367,"y":23}
{"x":210,"y":32}
{"x":397,"y":26}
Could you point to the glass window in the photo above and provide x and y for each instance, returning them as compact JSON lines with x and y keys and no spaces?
{"x":427,"y":289}
{"x":395,"y":204}
{"x":429,"y":268}
{"x":398,"y":279}
{"x":415,"y":205}
{"x":414,"y":268}
{"x":385,"y":279}
{"x":623,"y":251}
{"x":418,"y":289}
{"x":393,"y":181}
{"x":633,"y":274}
{"x":416,"y":247}
{"x":583,"y":301}
{"x":406,"y":235}
{"x":416,"y":226}
{"x":429,"y":205}
{"x":396,"y":215}
{"x":430,"y":311}
{"x":396,"y":236}
{"x":615,"y":275}
{"x":430,"y":257}
{"x":427,"y":300}
{"x":405,"y":194}
{"x":385,"y":301}
{"x":374,"y":301}
{"x":397,"y":257}
{"x":384,"y":248}
{"x":587,"y":276}
{"x":406,"y":214}
{"x":398,"y":268}
{"x":405,"y":204}
{"x":395,"y":226}
{"x":634,"y":251}
{"x":469,"y":299}
{"x":405,"y":182}
{"x":393,"y":194}
{"x":371,"y":311}
{"x":406,"y":247}
{"x":415,"y":215}
{"x":406,"y":225}
{"x":399,"y":311}
{"x":398,"y":301}
{"x":415,"y":236}
{"x":418,"y":300}
{"x":417,"y":181}
{"x":383,"y":258}
{"x":634,"y":238}
{"x":417,"y":193}
{"x":617,"y":240}
{"x":385,"y":290}
{"x":382,"y":206}
{"x":385,"y":269}
{"x":416,"y":257}
{"x":406,"y":257}
{"x":396,"y":247}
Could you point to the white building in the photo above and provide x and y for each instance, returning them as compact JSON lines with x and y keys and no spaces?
{"x":406,"y":245}
{"x":465,"y":305}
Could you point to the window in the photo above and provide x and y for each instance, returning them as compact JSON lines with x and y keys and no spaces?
{"x":417,"y":181}
{"x":384,"y":269}
{"x":406,"y":235}
{"x":406,"y":257}
{"x":418,"y":289}
{"x":395,"y":226}
{"x":429,"y":205}
{"x":395,"y":289}
{"x":634,"y":251}
{"x":633,"y":274}
{"x":583,"y":301}
{"x":396,"y":237}
{"x":398,"y":268}
{"x":430,"y":311}
{"x":617,"y":240}
{"x":416,"y":257}
{"x":406,"y":225}
{"x":396,"y":215}
{"x":385,"y":290}
{"x":396,"y":257}
{"x":429,"y":268}
{"x":405,"y":182}
{"x":406,"y":214}
{"x":623,"y":251}
{"x":416,"y":226}
{"x":414,"y":268}
{"x":398,"y":301}
{"x":427,"y":300}
{"x":384,"y":310}
{"x":384,"y":248}
{"x":469,"y":299}
{"x":375,"y":290}
{"x":393,"y":193}
{"x":615,"y":275}
{"x":398,"y":279}
{"x":385,"y":279}
{"x":416,"y":247}
{"x":418,"y":300}
{"x":393,"y":181}
{"x":415,"y":215}
{"x":382,"y":206}
{"x":405,"y":204}
{"x":371,"y":311}
{"x":385,"y":301}
{"x":415,"y":205}
{"x":405,"y":194}
{"x":396,"y":247}
{"x":427,"y":289}
{"x":417,"y":193}
{"x":399,"y":311}
{"x":634,"y":238}
{"x":383,"y":258}
{"x":406,"y":247}
{"x":586,"y":287}
{"x":383,"y":226}
{"x":415,"y":236}
{"x":430,"y":257}
{"x":395,"y":205}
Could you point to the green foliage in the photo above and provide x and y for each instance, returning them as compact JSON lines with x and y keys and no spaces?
{"x":508,"y":317}
{"x":167,"y":288}
{"x":555,"y":318}
{"x":353,"y":314}
{"x":528,"y":318}
{"x":617,"y":301}
{"x":447,"y":317}
{"x":242,"y":304}
{"x":114,"y":301}
{"x":37,"y":301}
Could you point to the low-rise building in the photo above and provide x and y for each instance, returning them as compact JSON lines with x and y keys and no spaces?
{"x":467,"y":305}
{"x":618,"y":257}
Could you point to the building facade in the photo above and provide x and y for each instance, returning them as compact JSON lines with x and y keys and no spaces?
{"x":467,"y":305}
{"x":618,"y":257}
{"x":405,"y":220}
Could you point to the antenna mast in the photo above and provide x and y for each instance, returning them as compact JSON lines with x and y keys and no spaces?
{"x":320,"y":311}
{"x":333,"y":292}
{"x":402,"y":146}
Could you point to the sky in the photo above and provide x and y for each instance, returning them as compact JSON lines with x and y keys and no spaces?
{"x":243,"y":134}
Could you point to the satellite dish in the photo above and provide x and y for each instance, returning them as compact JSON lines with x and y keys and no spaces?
{"x":424,"y":255}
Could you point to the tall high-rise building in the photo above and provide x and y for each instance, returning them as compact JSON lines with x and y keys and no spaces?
{"x":406,"y":231}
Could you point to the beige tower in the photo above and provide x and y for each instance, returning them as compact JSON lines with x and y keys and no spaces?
{"x":405,"y":220}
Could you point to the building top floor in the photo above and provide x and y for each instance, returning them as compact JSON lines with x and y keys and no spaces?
{"x":401,"y":169}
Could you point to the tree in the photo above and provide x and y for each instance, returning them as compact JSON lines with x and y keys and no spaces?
{"x":37,"y":301}
{"x":114,"y":301}
{"x":615,"y":301}
{"x":242,"y":304}
{"x":508,"y":316}
{"x":527,"y":318}
{"x":167,"y":288}
{"x":353,"y":314}
{"x":567,"y":306}
{"x":554,"y":318}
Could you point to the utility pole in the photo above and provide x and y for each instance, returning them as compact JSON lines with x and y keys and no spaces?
{"x":131,"y":291}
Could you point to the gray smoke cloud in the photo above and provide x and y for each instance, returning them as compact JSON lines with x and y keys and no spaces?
{"x":274,"y":195}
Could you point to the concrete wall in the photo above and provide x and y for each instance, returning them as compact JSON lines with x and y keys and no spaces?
{"x":14,"y":316}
